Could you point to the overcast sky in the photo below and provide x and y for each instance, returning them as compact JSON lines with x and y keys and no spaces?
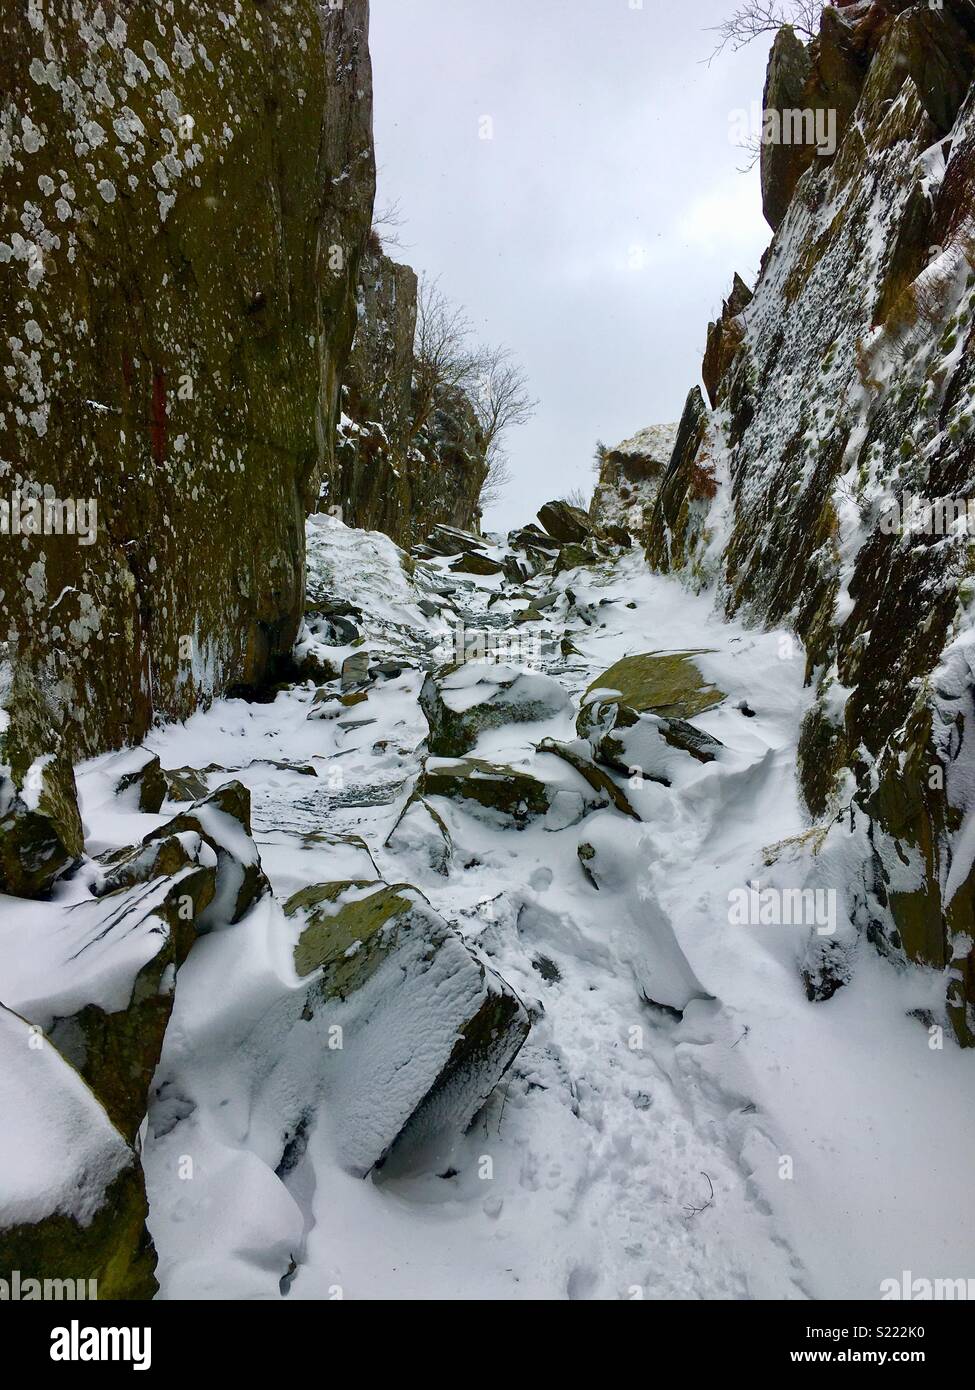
{"x":598,"y":230}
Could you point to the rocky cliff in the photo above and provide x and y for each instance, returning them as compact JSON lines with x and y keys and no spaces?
{"x":629,"y":478}
{"x":391,"y":475}
{"x":176,"y":401}
{"x":841,"y":389}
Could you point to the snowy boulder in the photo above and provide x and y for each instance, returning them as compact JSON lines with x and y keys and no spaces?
{"x":41,"y":834}
{"x":162,"y":857}
{"x":576,"y":556}
{"x":579,"y":756}
{"x":422,"y":832}
{"x":447,"y":541}
{"x":565,"y":523}
{"x":636,"y":715}
{"x":502,"y":792}
{"x":474,"y":562}
{"x":72,"y":1200}
{"x":645,"y":744}
{"x":223,"y":821}
{"x":669,"y":684}
{"x":143,"y":783}
{"x":427,"y":1029}
{"x":100,"y":984}
{"x":476,"y":695}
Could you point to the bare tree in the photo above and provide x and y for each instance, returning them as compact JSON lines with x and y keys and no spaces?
{"x":501,"y":399}
{"x":496,"y":482}
{"x":500,"y":396}
{"x":753,"y":18}
{"x":446,"y":359}
{"x":442,"y":357}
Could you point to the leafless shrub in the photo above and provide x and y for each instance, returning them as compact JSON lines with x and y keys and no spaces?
{"x":575,"y":497}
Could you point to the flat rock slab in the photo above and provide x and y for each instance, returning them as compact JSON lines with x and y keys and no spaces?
{"x":668,"y":684}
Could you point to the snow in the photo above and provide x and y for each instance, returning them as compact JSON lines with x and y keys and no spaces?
{"x":58,"y":1151}
{"x":53,"y":963}
{"x":681,"y":1122}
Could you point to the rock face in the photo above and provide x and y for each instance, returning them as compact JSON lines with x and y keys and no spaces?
{"x":847,"y":392}
{"x":390,"y":476}
{"x":785,"y":89}
{"x":724,"y":338}
{"x":184,"y":206}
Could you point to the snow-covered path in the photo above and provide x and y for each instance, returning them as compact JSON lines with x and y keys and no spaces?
{"x":757,"y":1146}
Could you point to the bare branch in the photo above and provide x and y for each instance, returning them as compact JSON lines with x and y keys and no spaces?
{"x":754,"y":18}
{"x":386,"y":223}
{"x":442,"y":360}
{"x":497,"y":480}
{"x":575,"y":497}
{"x":752,"y":147}
{"x":445,"y":360}
{"x":693,"y":1211}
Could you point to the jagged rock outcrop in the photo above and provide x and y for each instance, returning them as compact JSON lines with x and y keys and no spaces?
{"x":629,"y":480}
{"x":848,"y":393}
{"x":724,"y":338}
{"x":184,"y":199}
{"x":392,"y":474}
